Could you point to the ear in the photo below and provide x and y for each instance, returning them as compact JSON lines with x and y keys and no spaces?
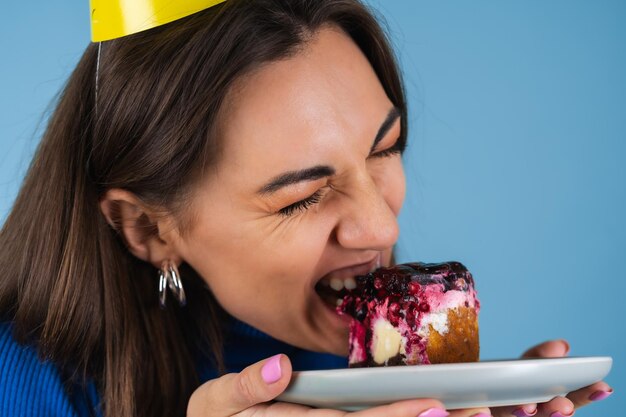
{"x":149,"y":236}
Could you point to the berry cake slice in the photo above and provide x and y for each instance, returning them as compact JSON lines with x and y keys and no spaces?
{"x":415,"y":313}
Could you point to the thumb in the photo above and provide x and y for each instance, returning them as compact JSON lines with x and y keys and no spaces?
{"x":233,"y":393}
{"x":549,"y":349}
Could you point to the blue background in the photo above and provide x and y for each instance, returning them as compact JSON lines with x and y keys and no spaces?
{"x":515,"y":164}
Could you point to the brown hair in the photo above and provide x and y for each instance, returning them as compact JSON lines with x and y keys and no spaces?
{"x":67,"y":281}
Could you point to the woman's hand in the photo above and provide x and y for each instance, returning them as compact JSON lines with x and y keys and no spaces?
{"x":250,"y":393}
{"x":558,"y":406}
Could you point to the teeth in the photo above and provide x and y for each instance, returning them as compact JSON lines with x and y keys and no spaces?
{"x":339,"y":302}
{"x":350,"y":284}
{"x":336,"y":284}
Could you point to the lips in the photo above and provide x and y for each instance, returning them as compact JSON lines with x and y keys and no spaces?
{"x":333,"y":286}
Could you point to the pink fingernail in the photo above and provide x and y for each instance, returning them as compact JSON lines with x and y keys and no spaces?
{"x":600,"y":395}
{"x":567,"y":348}
{"x":271,"y":371}
{"x":434,"y":412}
{"x":521,"y":412}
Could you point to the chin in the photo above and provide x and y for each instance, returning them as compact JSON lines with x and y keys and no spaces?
{"x":317,"y":327}
{"x":336,"y":344}
{"x":330,"y":329}
{"x":340,"y":348}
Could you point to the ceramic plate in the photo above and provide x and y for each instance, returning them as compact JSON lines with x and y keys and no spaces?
{"x":459,"y":385}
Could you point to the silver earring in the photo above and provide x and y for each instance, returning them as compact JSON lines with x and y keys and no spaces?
{"x":170,"y":277}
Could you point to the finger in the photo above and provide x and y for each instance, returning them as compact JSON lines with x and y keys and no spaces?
{"x":525,"y":410}
{"x":408,"y":408}
{"x":595,"y":392}
{"x":556,"y":407}
{"x":549,"y":349}
{"x":282,"y":409}
{"x":232,"y":393}
{"x":471,"y":412}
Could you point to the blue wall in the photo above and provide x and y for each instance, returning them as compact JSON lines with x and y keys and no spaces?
{"x":518,"y":131}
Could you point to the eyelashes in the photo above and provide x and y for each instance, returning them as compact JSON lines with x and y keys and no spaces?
{"x":396,"y":149}
{"x":302,"y":204}
{"x":316,"y":197}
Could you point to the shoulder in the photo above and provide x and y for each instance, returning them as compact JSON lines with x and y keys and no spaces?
{"x":29,"y":386}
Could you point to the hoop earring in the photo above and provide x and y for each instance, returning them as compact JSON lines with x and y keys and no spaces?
{"x":170,"y":277}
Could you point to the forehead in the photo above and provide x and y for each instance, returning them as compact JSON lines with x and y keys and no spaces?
{"x":296,"y":111}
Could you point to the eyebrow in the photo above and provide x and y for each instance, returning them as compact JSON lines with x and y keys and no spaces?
{"x":392,"y":116}
{"x":293,"y":177}
{"x":321,"y":171}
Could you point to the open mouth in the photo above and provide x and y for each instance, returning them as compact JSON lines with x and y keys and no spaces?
{"x":331,"y":296}
{"x":333,"y":286}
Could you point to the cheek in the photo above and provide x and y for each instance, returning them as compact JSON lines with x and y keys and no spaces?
{"x":266,"y":269}
{"x":392,"y":184}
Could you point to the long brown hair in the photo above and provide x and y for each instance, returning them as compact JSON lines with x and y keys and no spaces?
{"x":67,"y":282}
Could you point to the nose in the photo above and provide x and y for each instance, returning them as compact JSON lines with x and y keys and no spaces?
{"x":367,"y":221}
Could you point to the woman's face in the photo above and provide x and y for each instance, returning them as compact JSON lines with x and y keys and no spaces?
{"x":307,"y":190}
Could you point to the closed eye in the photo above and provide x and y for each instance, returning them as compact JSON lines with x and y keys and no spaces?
{"x":396,"y":149}
{"x":302,"y":204}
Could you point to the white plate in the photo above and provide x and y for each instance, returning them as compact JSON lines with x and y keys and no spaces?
{"x":459,"y":385}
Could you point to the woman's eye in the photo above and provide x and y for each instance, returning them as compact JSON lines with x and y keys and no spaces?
{"x":302,"y":204}
{"x":396,"y":149}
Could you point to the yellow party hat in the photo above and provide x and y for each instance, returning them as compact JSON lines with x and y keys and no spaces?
{"x":112,"y":19}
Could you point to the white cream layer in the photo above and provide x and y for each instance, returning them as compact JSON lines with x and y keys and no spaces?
{"x":388,"y":341}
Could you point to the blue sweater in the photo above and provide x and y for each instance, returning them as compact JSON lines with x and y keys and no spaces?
{"x":31,"y":388}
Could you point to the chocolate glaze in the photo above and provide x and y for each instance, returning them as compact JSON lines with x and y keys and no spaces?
{"x":397,"y":279}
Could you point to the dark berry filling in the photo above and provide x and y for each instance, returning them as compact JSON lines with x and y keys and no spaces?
{"x":400,"y":292}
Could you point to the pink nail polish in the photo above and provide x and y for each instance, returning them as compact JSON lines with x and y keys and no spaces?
{"x":600,"y":395}
{"x":271,"y":371}
{"x":434,"y":412}
{"x":521,"y":412}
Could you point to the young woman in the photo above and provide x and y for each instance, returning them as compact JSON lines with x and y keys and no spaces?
{"x":239,"y":155}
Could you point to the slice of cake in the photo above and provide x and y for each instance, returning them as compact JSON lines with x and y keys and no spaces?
{"x":411,"y":314}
